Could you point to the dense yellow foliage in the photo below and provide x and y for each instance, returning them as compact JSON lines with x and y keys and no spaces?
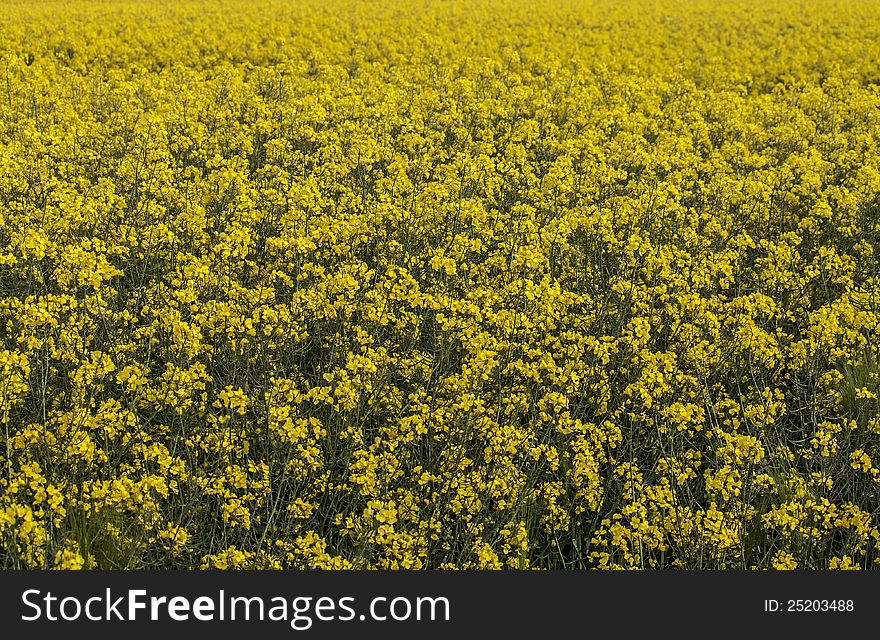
{"x":439,"y":284}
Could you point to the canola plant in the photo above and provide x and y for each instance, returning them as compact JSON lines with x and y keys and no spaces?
{"x":545,"y":284}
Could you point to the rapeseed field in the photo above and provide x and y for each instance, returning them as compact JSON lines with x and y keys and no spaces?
{"x":544,"y":284}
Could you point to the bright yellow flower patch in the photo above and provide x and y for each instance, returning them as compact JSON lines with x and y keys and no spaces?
{"x":421,"y":284}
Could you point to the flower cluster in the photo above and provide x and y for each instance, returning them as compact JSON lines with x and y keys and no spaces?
{"x":421,"y":284}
